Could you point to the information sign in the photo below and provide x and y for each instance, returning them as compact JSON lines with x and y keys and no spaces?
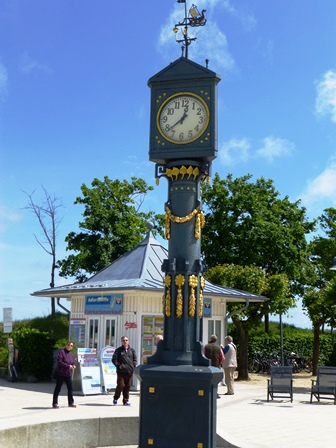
{"x":89,"y":371}
{"x":108,"y":369}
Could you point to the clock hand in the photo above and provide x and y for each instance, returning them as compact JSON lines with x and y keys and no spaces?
{"x":181,"y":120}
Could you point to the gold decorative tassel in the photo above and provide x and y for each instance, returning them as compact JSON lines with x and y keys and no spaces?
{"x":192,"y":297}
{"x":167,"y":224}
{"x":200,"y":311}
{"x":179,"y":282}
{"x":167,"y":304}
{"x":199,"y":224}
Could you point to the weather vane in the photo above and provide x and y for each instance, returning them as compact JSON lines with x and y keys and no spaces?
{"x":193,"y":19}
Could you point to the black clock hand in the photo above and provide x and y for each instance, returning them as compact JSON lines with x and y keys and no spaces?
{"x":181,"y":120}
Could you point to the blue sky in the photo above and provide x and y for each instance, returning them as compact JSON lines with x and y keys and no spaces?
{"x":74,"y":106}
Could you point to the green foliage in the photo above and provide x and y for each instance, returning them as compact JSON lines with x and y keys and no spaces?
{"x":323,"y":247}
{"x":3,"y":349}
{"x":3,"y":339}
{"x":41,"y":334}
{"x":58,"y":329}
{"x":35,"y":352}
{"x":294,"y":341}
{"x":112,"y":225}
{"x":254,"y":280}
{"x":249,"y":224}
{"x":3,"y":357}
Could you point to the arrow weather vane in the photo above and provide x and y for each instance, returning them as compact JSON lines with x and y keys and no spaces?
{"x":193,"y":19}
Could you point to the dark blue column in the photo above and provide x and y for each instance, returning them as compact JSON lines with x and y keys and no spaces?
{"x":178,"y":386}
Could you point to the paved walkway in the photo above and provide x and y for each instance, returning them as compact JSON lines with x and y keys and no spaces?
{"x":246,"y":419}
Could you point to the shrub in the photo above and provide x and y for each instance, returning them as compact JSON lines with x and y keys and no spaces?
{"x":57,"y":329}
{"x":35,"y":352}
{"x":3,"y":357}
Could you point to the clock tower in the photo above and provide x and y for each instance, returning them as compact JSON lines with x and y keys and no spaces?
{"x":178,"y":384}
{"x":183,"y":112}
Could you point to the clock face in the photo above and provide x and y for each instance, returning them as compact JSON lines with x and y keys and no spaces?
{"x":183,"y":118}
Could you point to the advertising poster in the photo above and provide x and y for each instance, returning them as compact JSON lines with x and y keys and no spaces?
{"x":108,"y":370}
{"x":148,"y":324}
{"x":147,"y":345}
{"x":89,"y":371}
{"x":77,"y":331}
{"x":158,"y":327}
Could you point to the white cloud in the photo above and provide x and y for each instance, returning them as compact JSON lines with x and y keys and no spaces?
{"x":242,"y":150}
{"x":211,"y":41}
{"x":326,"y":95}
{"x":234,"y":151}
{"x":273,"y":148}
{"x":28,"y":65}
{"x":245,"y":18}
{"x":322,"y":188}
{"x":3,"y":81}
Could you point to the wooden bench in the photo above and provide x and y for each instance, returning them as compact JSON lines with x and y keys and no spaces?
{"x":325,"y":384}
{"x":280,"y":385}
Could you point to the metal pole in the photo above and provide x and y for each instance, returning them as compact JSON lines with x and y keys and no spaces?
{"x":281,"y":341}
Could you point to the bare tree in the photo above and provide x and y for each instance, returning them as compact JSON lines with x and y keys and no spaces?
{"x":47,"y":215}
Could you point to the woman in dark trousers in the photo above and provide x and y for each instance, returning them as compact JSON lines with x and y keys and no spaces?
{"x":64,"y":370}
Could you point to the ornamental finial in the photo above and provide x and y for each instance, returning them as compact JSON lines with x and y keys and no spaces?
{"x":193,"y":19}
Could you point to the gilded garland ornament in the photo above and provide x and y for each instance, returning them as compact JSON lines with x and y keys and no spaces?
{"x":199,"y":223}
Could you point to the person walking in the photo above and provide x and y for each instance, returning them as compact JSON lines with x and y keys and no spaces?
{"x":229,"y":364}
{"x":125,"y":360}
{"x":66,"y":364}
{"x":214,"y":353}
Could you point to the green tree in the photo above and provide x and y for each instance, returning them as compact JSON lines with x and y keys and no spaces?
{"x":112,"y":225}
{"x":319,"y":299}
{"x":245,"y":318}
{"x":248,"y":224}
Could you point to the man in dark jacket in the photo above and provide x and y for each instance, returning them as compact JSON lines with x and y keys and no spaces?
{"x":125,"y":360}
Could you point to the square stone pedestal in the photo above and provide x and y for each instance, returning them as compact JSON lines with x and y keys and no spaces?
{"x":178,"y":406}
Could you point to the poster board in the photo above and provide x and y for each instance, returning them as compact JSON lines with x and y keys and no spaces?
{"x":152,"y":326}
{"x":108,"y":370}
{"x":89,"y":371}
{"x":77,"y":331}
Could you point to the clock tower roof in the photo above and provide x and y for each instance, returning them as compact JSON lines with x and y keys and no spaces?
{"x":182,"y":69}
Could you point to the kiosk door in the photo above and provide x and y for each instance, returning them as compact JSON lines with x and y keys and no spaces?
{"x":101,"y":332}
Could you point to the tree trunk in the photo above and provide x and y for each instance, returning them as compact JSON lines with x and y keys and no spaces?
{"x":267,"y":323}
{"x":53,"y":308}
{"x":243,"y":348}
{"x":52,"y":284}
{"x":316,"y":347}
